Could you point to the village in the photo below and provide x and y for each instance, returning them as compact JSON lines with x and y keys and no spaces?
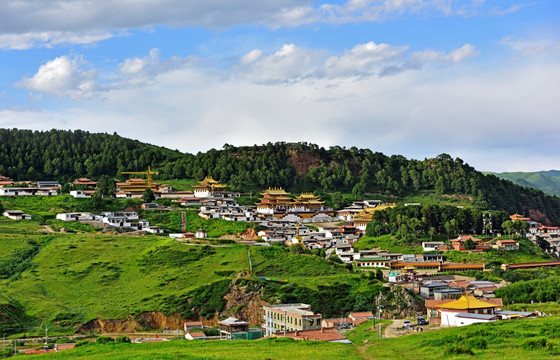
{"x":304,"y":220}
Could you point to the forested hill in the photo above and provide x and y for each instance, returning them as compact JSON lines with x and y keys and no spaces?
{"x":65,"y":155}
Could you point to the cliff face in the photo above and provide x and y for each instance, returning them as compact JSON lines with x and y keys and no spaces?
{"x":399,"y":303}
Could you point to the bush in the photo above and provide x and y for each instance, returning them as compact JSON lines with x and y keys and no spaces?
{"x":105,"y":340}
{"x":122,"y":339}
{"x":84,"y":343}
{"x":457,"y":349}
{"x":476,"y":342}
{"x":6,"y":353}
{"x":538,"y":344}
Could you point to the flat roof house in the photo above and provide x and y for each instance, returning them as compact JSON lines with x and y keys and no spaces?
{"x":290,"y":317}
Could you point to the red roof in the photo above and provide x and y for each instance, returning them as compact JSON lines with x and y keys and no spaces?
{"x":325,"y":334}
{"x":361,"y":314}
{"x":197,"y":334}
{"x":193,"y":323}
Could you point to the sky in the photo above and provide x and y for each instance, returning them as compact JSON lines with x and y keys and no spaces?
{"x":476,"y":79}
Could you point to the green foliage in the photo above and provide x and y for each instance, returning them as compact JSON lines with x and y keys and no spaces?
{"x":19,"y":262}
{"x":171,"y":222}
{"x":65,"y":155}
{"x":122,"y":339}
{"x":82,"y":343}
{"x":457,"y":349}
{"x":539,"y":343}
{"x":542,"y":290}
{"x":148,"y":195}
{"x":469,"y":244}
{"x":103,"y":340}
{"x":6,"y":353}
{"x":170,"y":257}
{"x":204,"y":301}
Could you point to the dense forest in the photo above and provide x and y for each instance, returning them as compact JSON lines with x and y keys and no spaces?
{"x":435,"y":219}
{"x":66,"y":155}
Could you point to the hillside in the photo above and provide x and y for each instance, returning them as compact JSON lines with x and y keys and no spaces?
{"x":547,"y":181}
{"x":65,"y":155}
{"x":102,"y":282}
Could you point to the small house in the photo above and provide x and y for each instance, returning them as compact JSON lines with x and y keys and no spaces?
{"x":16,"y":215}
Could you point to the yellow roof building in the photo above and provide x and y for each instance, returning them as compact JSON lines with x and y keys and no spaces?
{"x":467,"y":302}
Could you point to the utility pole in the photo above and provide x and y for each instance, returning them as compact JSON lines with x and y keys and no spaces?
{"x":46,"y":337}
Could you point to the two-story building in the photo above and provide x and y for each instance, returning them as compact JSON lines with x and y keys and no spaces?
{"x":290,"y":317}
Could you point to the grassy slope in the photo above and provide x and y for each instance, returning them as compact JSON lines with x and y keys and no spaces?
{"x":505,"y":339}
{"x":548,"y":182}
{"x":528,"y":252}
{"x":234,"y":350}
{"x":85,"y":276}
{"x":517,"y":339}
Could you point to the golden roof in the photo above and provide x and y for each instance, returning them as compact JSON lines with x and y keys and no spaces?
{"x":467,"y":302}
{"x":275,"y":191}
{"x":209,"y":182}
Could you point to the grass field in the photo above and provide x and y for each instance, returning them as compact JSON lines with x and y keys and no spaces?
{"x":515,"y":339}
{"x":232,"y":350}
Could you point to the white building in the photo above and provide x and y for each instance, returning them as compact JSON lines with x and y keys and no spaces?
{"x":75,"y":216}
{"x":16,"y":215}
{"x":27,"y":192}
{"x":79,"y":194}
{"x":432,"y":245}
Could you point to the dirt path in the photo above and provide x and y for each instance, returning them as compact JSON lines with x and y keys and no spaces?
{"x":391,"y":330}
{"x":47,"y":229}
{"x":183,"y":221}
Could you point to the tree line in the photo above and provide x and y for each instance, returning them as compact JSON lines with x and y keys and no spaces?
{"x":436,"y":219}
{"x":66,"y":155}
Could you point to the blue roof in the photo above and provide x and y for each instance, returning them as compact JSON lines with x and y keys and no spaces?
{"x":434,"y":285}
{"x":520,"y":313}
{"x":448,"y":290}
{"x":476,"y":316}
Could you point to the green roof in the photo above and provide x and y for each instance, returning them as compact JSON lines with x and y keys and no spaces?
{"x":374,"y":259}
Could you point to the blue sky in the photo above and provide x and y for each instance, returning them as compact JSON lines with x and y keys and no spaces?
{"x":478,"y":79}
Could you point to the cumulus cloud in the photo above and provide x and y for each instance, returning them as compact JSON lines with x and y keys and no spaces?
{"x":49,"y":39}
{"x":292,"y":63}
{"x":63,"y":76}
{"x":531,"y":47}
{"x":420,"y":59}
{"x":31,"y":23}
{"x":136,"y":65}
{"x":454,"y":112}
{"x":362,"y":58}
{"x":289,"y":63}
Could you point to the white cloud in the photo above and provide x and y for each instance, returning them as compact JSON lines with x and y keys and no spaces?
{"x":30,"y":40}
{"x":62,"y":76}
{"x":503,"y":119}
{"x":287,"y":64}
{"x":136,"y":65}
{"x":531,"y":47}
{"x":31,"y":23}
{"x":362,"y":58}
{"x":251,"y":57}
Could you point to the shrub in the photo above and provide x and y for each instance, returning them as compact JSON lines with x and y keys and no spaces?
{"x":122,"y":339}
{"x":457,"y":349}
{"x":476,"y":342}
{"x":84,"y":343}
{"x":538,"y":343}
{"x":105,"y":340}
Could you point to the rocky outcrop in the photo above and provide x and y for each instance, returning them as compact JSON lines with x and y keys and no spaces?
{"x":398,"y":302}
{"x":245,"y":304}
{"x":146,"y":320}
